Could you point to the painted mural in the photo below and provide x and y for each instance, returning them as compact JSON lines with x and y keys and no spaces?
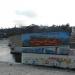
{"x":47,"y":60}
{"x":44,"y":39}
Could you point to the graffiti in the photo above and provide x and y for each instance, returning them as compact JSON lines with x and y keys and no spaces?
{"x":46,"y":59}
{"x":39,"y":50}
{"x":60,"y":60}
{"x":51,"y":60}
{"x":45,"y":39}
{"x":45,"y":42}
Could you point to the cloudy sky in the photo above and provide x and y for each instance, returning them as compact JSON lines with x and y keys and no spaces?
{"x":46,"y":12}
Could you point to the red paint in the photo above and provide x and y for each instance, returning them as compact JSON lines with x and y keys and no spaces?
{"x":45,"y":42}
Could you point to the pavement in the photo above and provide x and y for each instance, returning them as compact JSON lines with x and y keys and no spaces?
{"x":21,"y":69}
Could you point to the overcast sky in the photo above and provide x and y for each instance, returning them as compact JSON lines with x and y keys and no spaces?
{"x":46,"y":12}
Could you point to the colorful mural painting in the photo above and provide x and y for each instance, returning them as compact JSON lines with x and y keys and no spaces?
{"x":44,"y":39}
{"x":57,"y":50}
{"x":40,"y":50}
{"x":45,"y":59}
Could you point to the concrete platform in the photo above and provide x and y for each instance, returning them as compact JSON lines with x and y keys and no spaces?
{"x":21,"y":69}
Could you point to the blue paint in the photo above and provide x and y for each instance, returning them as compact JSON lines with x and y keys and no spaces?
{"x":40,"y":50}
{"x":33,"y":62}
{"x":33,"y":50}
{"x":58,"y":35}
{"x":63,"y":36}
